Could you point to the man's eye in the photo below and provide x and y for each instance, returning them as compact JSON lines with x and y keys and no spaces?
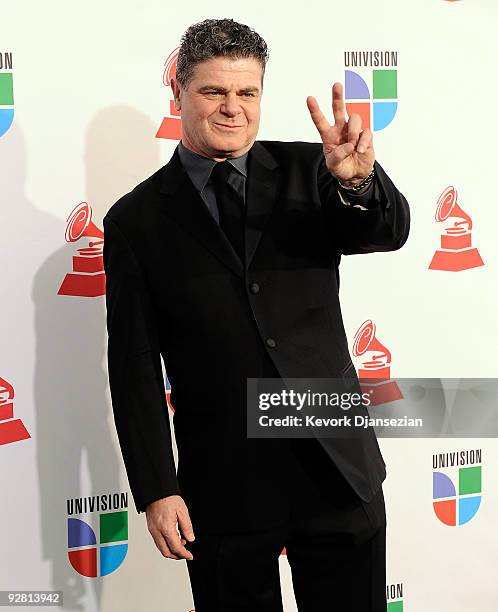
{"x":248,"y":93}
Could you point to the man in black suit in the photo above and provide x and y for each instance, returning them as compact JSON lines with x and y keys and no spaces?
{"x":225,"y":263}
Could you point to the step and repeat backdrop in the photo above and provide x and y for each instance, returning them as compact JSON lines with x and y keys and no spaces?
{"x":86,"y":113}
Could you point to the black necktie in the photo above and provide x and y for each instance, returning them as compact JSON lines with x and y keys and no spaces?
{"x":230,"y":206}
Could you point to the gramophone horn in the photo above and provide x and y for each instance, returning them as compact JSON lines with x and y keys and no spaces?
{"x":79,"y":223}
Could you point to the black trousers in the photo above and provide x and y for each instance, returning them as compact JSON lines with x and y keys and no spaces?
{"x":335,"y":545}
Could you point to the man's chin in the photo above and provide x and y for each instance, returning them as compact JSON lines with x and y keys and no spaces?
{"x":228,"y":147}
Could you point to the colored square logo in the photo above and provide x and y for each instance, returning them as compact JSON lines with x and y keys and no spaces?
{"x":385,"y":84}
{"x":469,"y":480}
{"x":6,"y":89}
{"x":113,"y":527}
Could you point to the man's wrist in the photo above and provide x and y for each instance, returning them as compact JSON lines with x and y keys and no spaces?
{"x":361,"y":191}
{"x":358,"y":185}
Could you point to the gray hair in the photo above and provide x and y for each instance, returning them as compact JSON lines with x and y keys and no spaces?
{"x":214,"y":38}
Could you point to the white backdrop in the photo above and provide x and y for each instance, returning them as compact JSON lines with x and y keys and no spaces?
{"x":89,"y":98}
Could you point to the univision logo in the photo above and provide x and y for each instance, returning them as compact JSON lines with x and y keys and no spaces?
{"x":457,"y":497}
{"x":6,"y":92}
{"x":372,"y":94}
{"x":99,"y":547}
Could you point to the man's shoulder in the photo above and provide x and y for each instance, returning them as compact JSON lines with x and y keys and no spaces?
{"x":131,"y":202}
{"x":130,"y":206}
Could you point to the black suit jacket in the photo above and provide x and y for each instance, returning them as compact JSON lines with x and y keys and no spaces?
{"x":176,"y":288}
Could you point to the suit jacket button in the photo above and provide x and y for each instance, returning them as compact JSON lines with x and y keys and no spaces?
{"x":254,"y":288}
{"x":271,"y":343}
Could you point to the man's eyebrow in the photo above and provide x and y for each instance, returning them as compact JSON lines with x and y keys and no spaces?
{"x":218,"y":88}
{"x":210,"y":87}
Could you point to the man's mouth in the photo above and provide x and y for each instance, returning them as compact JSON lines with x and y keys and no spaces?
{"x":224,"y":125}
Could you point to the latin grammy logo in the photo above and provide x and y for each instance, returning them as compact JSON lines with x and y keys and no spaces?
{"x":11,"y":430}
{"x":456,"y":252}
{"x":374,"y":373}
{"x":171,"y":127}
{"x":88,"y":276}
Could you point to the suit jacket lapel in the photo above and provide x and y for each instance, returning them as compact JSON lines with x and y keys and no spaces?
{"x":261,"y":190}
{"x":184,"y":204}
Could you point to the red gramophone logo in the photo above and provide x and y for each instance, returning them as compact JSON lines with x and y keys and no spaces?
{"x":374,"y":372}
{"x":171,"y":127}
{"x":11,"y":429}
{"x":456,"y":252}
{"x":88,"y":276}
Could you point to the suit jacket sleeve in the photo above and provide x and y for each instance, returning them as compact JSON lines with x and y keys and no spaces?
{"x":382,"y":225}
{"x":365,"y":199}
{"x":135,"y":374}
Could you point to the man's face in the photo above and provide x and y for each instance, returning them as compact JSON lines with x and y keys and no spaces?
{"x":220,"y":109}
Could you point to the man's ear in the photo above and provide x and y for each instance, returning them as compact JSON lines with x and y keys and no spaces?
{"x":175,"y":88}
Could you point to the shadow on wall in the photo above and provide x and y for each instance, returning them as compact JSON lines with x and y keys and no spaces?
{"x":72,"y":403}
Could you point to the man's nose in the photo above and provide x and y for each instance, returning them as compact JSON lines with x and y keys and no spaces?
{"x":230,"y":105}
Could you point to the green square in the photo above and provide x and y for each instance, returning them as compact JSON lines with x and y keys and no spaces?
{"x":395,"y":606}
{"x":113,"y":527}
{"x":469,"y":480}
{"x":6,"y":89}
{"x":385,"y":84}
